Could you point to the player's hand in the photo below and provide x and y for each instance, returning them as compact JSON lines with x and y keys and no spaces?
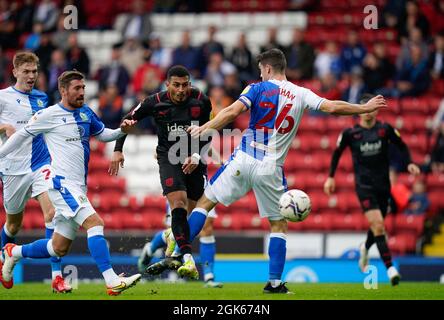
{"x":117,"y":161}
{"x":127,"y":125}
{"x":190,"y":164}
{"x":329,"y":186}
{"x":195,"y":131}
{"x":413,"y":169}
{"x":375,"y":103}
{"x":9,"y":130}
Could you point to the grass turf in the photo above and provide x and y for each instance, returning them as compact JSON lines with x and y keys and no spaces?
{"x":231,"y":291}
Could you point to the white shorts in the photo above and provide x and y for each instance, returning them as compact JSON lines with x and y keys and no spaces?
{"x":72,"y":207}
{"x":242,"y":173}
{"x":17,"y":190}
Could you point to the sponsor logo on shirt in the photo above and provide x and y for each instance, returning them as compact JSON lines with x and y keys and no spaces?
{"x":371,"y":148}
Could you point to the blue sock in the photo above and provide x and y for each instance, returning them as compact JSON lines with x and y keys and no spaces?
{"x":99,"y":248}
{"x":56,"y":262}
{"x":196,"y":221}
{"x":157,"y":242}
{"x":277,"y":250}
{"x":37,"y":249}
{"x":6,"y":238}
{"x":207,"y":252}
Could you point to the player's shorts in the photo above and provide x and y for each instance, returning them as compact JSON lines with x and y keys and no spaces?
{"x":242,"y":173}
{"x":371,"y":198}
{"x":17,"y":190}
{"x":173,"y":179}
{"x":72,"y":207}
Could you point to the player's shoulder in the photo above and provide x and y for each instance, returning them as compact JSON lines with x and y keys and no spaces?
{"x":38,"y":94}
{"x":196,"y":93}
{"x":155,"y":98}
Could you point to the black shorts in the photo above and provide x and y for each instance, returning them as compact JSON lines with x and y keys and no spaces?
{"x":173,"y":179}
{"x":371,"y":198}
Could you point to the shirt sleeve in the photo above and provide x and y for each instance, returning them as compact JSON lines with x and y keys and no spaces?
{"x":143,"y":109}
{"x":248,"y":96}
{"x":97,"y":126}
{"x":40,"y":122}
{"x":311,"y":100}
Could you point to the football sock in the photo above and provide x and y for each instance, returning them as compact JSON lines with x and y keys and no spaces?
{"x":37,"y":250}
{"x":7,"y":237}
{"x":196,"y":221}
{"x":384,"y":251}
{"x":370,"y":239}
{"x":157,"y":242}
{"x":207,"y":253}
{"x":56,"y":262}
{"x":100,"y":252}
{"x":277,"y":250}
{"x":181,"y":229}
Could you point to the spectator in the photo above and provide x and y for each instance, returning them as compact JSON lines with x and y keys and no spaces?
{"x":379,"y":50}
{"x":232,"y":85}
{"x":219,"y":100}
{"x":160,"y":56}
{"x":164,"y":6}
{"x":47,"y":13}
{"x":242,"y":59}
{"x":272,"y":41}
{"x":437,"y":155}
{"x":114,"y":73}
{"x":186,"y":55}
{"x":374,"y":73}
{"x":400,"y":194}
{"x":8,"y":30}
{"x":44,"y":51}
{"x":132,"y":54}
{"x":111,"y":107}
{"x":300,"y":57}
{"x":328,"y":61}
{"x":413,"y":77}
{"x":76,"y":56}
{"x":356,"y":88}
{"x":56,"y":68}
{"x":411,"y":18}
{"x":353,"y":52}
{"x":61,"y":35}
{"x":415,"y":38}
{"x":392,"y":10}
{"x":148,"y":77}
{"x":436,"y":58}
{"x":32,"y":42}
{"x":418,"y":203}
{"x":4,"y":64}
{"x":138,"y":24}
{"x":209,"y":47}
{"x":217,"y":69}
{"x":25,"y":17}
{"x":329,"y":88}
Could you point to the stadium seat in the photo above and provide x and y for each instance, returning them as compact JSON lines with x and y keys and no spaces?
{"x":228,"y":222}
{"x":254,"y":222}
{"x":347,"y":222}
{"x":112,"y":222}
{"x":320,"y":222}
{"x":409,"y":223}
{"x":154,"y":202}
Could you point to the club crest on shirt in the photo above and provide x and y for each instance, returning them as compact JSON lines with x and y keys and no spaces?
{"x":195,"y":111}
{"x":83,"y":116}
{"x":40,"y":103}
{"x":82,"y":199}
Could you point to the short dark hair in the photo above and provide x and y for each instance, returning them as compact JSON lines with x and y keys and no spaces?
{"x":178,"y":71}
{"x":66,"y":77}
{"x":273,"y":57}
{"x":366,"y":97}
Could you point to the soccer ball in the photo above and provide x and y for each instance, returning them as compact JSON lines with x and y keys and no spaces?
{"x":295,"y":205}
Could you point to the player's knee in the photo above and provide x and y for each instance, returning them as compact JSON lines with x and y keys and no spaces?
{"x":13,"y":227}
{"x":60,"y":250}
{"x":180,"y":204}
{"x":377,"y":227}
{"x":49,"y":214}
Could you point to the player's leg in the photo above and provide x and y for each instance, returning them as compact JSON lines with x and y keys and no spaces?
{"x":376,"y":221}
{"x":148,"y":250}
{"x":99,"y":250}
{"x":269,"y":185}
{"x":208,"y":252}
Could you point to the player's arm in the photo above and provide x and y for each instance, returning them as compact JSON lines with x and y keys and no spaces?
{"x":108,"y":135}
{"x":15,"y":140}
{"x":338,"y":107}
{"x":224,"y":117}
{"x":395,"y":138}
{"x":329,"y":185}
{"x":7,"y":129}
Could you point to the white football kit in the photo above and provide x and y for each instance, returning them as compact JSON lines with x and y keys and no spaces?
{"x":23,"y":170}
{"x":67,"y":133}
{"x":257,"y":163}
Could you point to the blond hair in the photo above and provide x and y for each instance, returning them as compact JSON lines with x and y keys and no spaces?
{"x":23,"y":57}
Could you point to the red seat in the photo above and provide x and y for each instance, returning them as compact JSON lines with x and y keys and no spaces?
{"x":155,"y":202}
{"x":436,"y":201}
{"x":415,"y":106}
{"x":435,"y":180}
{"x":112,"y":221}
{"x":409,"y":223}
{"x":402,"y":243}
{"x":254,"y":222}
{"x":228,"y":222}
{"x":132,"y":220}
{"x":347,"y":222}
{"x":321,"y":222}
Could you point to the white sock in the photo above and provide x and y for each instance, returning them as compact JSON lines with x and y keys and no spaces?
{"x":188,"y":257}
{"x":111,"y":278}
{"x":56,"y":273}
{"x":17,"y":252}
{"x":275,"y":283}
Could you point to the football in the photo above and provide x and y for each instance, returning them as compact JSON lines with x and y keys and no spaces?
{"x":295,"y":205}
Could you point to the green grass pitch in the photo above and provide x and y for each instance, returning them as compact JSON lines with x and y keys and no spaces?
{"x":231,"y":291}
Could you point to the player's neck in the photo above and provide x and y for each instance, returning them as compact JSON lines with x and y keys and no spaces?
{"x":20,"y":88}
{"x":278,"y":77}
{"x":66,"y":105}
{"x":368,"y":124}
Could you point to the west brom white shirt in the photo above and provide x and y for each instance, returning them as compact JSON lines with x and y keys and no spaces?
{"x":276,"y":111}
{"x":67,"y":134}
{"x":16,"y":109}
